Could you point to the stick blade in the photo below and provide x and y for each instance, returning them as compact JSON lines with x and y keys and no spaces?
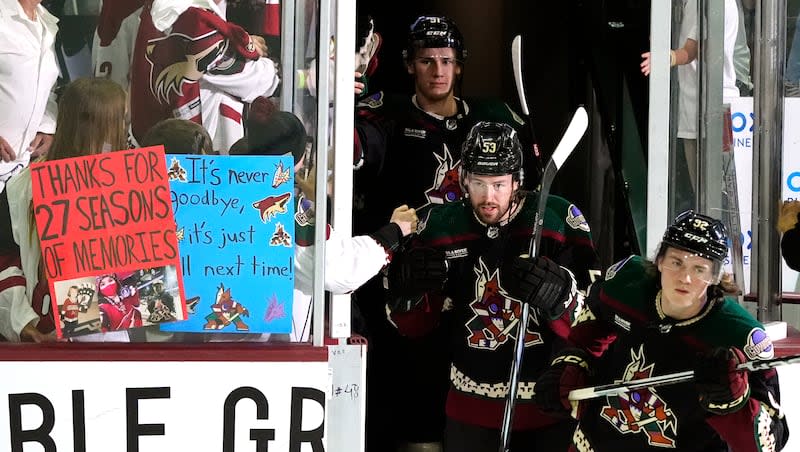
{"x":516,"y":61}
{"x":577,"y":127}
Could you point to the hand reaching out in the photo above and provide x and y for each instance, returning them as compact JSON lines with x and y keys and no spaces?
{"x":406,"y":218}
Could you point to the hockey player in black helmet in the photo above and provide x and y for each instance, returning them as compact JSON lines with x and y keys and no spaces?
{"x":476,"y":295}
{"x":408,"y":150}
{"x":647,"y":319}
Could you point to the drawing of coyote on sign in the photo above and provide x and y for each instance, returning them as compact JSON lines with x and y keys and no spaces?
{"x":225,"y":311}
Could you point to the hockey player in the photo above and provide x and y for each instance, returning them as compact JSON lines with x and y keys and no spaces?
{"x":189,"y":63}
{"x":482,"y":238}
{"x":407,"y":152}
{"x":655,"y":318}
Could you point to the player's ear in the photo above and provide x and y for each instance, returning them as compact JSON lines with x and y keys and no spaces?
{"x":410,"y":68}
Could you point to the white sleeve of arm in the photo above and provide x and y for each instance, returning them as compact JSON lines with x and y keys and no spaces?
{"x":15,"y":308}
{"x":352,"y":261}
{"x":349,"y":263}
{"x":257,"y":78}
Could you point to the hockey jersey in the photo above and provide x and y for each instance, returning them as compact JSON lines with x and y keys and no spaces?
{"x":189,"y":63}
{"x":622,"y":324}
{"x":484,"y":317}
{"x":408,"y":156}
{"x":114,"y":40}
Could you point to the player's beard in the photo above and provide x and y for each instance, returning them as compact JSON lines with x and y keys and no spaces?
{"x":499,"y":214}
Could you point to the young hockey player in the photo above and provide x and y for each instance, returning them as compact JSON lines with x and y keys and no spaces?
{"x":484,"y":284}
{"x":655,"y":318}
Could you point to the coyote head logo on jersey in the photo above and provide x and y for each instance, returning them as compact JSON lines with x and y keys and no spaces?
{"x":177,"y":59}
{"x":446,"y":187}
{"x":641,"y":411}
{"x":496,"y":313}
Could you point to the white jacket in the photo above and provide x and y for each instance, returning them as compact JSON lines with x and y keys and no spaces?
{"x":28,"y":73}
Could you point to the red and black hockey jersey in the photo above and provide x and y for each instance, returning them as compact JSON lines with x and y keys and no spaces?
{"x":484,"y":317}
{"x":408,"y":156}
{"x":622,"y":325}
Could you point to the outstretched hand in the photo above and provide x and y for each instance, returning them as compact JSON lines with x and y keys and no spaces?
{"x":406,"y":218}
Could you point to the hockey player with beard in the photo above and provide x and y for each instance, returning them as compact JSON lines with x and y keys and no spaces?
{"x":421,"y":135}
{"x":487,"y":276}
{"x":189,"y":63}
{"x":648,"y":319}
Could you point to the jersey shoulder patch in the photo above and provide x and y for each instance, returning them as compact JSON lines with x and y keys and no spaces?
{"x":575,"y":218}
{"x":614,"y":269}
{"x":759,"y":345}
{"x":732,"y":325}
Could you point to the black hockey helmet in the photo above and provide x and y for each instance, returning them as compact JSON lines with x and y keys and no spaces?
{"x":492,"y":149}
{"x":699,"y":234}
{"x":433,"y":32}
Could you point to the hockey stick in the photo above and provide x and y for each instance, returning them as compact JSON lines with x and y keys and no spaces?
{"x":516,"y":61}
{"x":577,"y":127}
{"x":616,"y":389}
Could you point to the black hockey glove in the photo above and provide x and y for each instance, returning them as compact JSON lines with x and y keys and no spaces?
{"x":539,"y":281}
{"x":416,"y":271}
{"x":720,"y":387}
{"x":569,"y":370}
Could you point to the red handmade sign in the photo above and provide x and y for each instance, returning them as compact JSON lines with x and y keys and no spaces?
{"x":109,"y":248}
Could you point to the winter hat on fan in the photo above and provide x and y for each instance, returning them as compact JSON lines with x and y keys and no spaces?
{"x":271,"y":132}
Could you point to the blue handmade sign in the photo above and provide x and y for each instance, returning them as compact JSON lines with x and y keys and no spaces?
{"x":235,"y":227}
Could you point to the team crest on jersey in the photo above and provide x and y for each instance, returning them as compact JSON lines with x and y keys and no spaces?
{"x":575,"y":219}
{"x":496,"y":313}
{"x":759,"y":345}
{"x":178,"y":59}
{"x":641,"y":412}
{"x":446,"y":187}
{"x":373,"y":101}
{"x":612,"y":271}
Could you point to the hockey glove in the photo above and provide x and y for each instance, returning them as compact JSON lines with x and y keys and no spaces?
{"x":569,"y":370}
{"x":720,"y":387}
{"x":538,"y":281}
{"x":416,"y":271}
